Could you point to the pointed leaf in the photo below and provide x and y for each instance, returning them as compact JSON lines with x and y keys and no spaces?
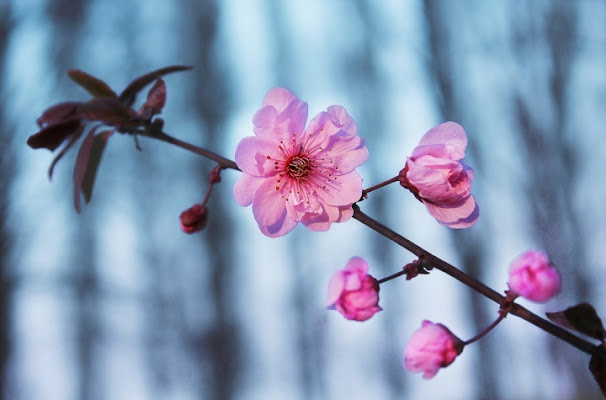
{"x":87,"y":164}
{"x":81,"y":165}
{"x":51,"y":137}
{"x":109,"y":111}
{"x":581,"y":318}
{"x":64,"y":150}
{"x":597,"y":366}
{"x":93,"y":163}
{"x":156,"y":98}
{"x":128,"y":96}
{"x":95,"y":86}
{"x":58,"y":113}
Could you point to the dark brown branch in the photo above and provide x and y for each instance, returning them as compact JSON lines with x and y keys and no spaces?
{"x":478,"y":286}
{"x":225,"y":163}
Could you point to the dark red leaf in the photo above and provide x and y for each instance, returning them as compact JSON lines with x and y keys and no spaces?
{"x":81,"y":165}
{"x":87,"y":163}
{"x":95,"y":86}
{"x":128,"y":96}
{"x":52,"y":136}
{"x":597,"y":366}
{"x":156,"y":98}
{"x":58,"y":113}
{"x":581,"y":318}
{"x":64,"y":150}
{"x":109,"y":111}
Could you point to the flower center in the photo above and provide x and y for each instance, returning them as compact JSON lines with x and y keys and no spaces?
{"x":298,"y":167}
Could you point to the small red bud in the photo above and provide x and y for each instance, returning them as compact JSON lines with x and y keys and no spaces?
{"x":215,"y":175}
{"x":193,"y":219}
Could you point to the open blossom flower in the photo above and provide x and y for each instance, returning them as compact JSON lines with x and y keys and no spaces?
{"x":437,"y":177}
{"x":533,"y":277}
{"x":430,"y":348}
{"x":353,"y":292}
{"x":295,"y":174}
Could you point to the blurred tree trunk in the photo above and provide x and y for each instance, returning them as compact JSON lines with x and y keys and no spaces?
{"x":7,"y":172}
{"x":470,"y":246}
{"x":66,"y":17}
{"x":549,"y":153}
{"x":309,"y":336}
{"x":364,"y":69}
{"x":219,"y":347}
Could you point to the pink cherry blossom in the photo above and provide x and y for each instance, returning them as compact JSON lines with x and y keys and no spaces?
{"x":437,"y":177}
{"x":430,"y":348}
{"x":353,"y":292}
{"x":533,"y":277}
{"x":295,"y":174}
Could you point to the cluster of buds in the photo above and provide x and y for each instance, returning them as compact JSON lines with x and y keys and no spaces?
{"x":355,"y":294}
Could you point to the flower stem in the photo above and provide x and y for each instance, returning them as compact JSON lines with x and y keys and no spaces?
{"x":392,"y":276}
{"x":378,"y":186}
{"x":478,"y":286}
{"x":480,"y":335}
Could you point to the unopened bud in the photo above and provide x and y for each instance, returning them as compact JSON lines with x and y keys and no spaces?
{"x":193,"y":219}
{"x":215,"y":175}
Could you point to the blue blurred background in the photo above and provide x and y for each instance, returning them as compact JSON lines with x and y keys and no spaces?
{"x":117,"y":303}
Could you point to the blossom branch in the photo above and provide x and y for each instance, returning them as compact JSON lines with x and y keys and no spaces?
{"x":427,"y":257}
{"x":158,"y":134}
{"x":478,"y":286}
{"x":280,"y":171}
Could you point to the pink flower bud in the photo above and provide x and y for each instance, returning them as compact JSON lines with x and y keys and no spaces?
{"x":430,"y":348}
{"x":437,"y":177}
{"x":533,"y":277}
{"x":353,"y":292}
{"x":193,"y":219}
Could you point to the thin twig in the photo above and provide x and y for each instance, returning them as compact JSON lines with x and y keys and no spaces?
{"x":225,"y":163}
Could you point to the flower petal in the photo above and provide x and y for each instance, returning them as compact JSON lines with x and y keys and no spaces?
{"x":256,"y":156}
{"x":450,"y":134}
{"x":342,"y":120}
{"x":268,"y":205}
{"x":435,"y":181}
{"x":245,"y":188}
{"x":357,"y":264}
{"x":341,"y":190}
{"x":320,"y":222}
{"x":282,"y":117}
{"x":335,"y":288}
{"x":279,"y":98}
{"x":457,"y":216}
{"x":280,"y":228}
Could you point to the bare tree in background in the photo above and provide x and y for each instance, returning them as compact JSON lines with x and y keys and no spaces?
{"x":549,"y":154}
{"x":470,"y":246}
{"x":66,"y":18}
{"x":218,"y":348}
{"x":363,"y":69}
{"x":309,"y":336}
{"x":7,"y":171}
